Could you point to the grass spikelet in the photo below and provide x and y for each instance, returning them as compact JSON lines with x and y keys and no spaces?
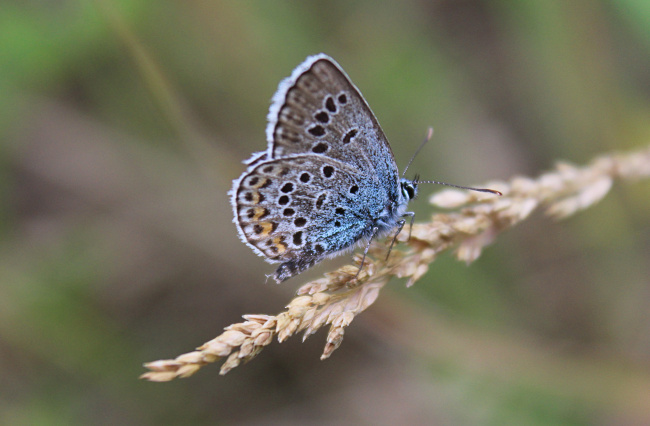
{"x":341,"y":295}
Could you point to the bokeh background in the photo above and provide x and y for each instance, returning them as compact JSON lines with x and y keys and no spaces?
{"x":123,"y":123}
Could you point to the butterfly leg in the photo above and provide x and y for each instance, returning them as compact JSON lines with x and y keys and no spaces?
{"x":412,"y":215}
{"x":365,"y":252}
{"x":400,"y":226}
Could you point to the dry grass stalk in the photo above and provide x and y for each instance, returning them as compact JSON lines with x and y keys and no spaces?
{"x":339,"y":297}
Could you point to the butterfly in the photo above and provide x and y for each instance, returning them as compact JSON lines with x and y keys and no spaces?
{"x":328,"y":178}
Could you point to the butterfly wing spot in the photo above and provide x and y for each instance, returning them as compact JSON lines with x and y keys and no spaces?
{"x":317,"y":130}
{"x":323,"y":117}
{"x":321,"y":199}
{"x":252,"y":197}
{"x":320,"y":148}
{"x":257,"y":213}
{"x":287,"y":187}
{"x":264,"y":228}
{"x":300,"y":222}
{"x":349,"y":135}
{"x":273,"y":247}
{"x":329,"y":104}
{"x":278,"y":246}
{"x":305,"y":177}
{"x":328,"y":171}
{"x":288,"y":212}
{"x":354,"y":189}
{"x":284,"y":200}
{"x":337,"y":223}
{"x":268,"y":169}
{"x":340,"y":211}
{"x":343,"y":99}
{"x":319,"y":249}
{"x":257,"y":182}
{"x":297,"y":238}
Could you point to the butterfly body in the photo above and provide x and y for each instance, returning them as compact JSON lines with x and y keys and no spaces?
{"x":328,"y":179}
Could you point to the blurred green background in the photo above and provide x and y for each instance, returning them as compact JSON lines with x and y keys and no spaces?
{"x":123,"y":123}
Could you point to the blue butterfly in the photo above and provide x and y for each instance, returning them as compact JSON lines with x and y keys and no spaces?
{"x":328,"y":178}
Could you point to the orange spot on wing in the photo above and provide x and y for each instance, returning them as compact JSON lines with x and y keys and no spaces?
{"x":267,"y":228}
{"x":280,"y":245}
{"x":258,"y":212}
{"x":260,"y":183}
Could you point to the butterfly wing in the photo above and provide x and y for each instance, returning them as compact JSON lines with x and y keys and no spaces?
{"x":328,"y":178}
{"x":298,"y":210}
{"x":318,"y":110}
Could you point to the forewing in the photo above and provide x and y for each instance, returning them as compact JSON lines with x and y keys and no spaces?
{"x":318,"y":110}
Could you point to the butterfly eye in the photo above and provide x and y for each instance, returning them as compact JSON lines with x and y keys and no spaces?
{"x":408,"y":190}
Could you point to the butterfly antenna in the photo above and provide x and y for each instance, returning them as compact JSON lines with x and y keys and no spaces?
{"x":417,"y":181}
{"x":417,"y":151}
{"x":491,"y":191}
